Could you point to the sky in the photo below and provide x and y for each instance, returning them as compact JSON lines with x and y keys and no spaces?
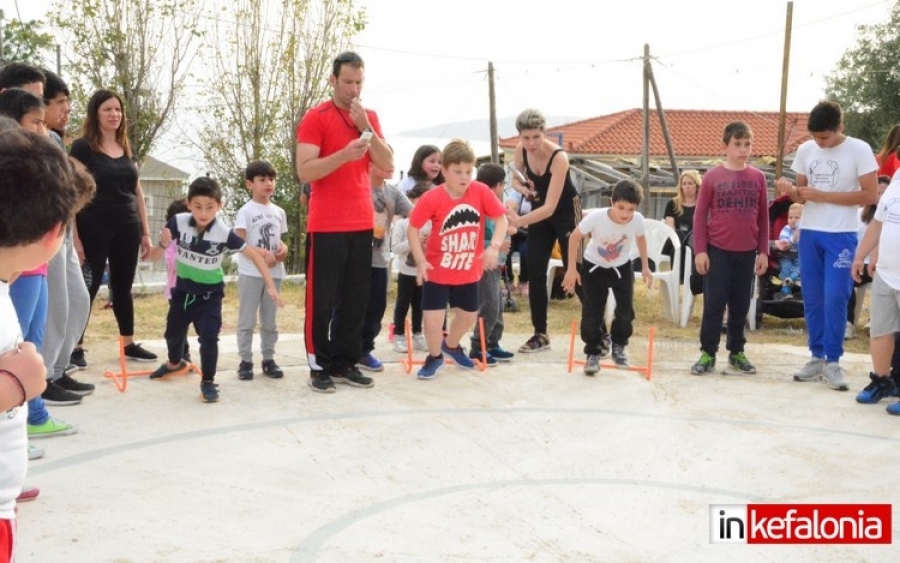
{"x":426,"y":62}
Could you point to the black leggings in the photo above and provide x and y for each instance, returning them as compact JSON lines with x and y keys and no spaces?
{"x":541,"y":237}
{"x":409,"y":295}
{"x":119,"y":245}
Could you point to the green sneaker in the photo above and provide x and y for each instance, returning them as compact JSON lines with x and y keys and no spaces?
{"x":706,"y":364}
{"x":50,"y":429}
{"x":739,"y":362}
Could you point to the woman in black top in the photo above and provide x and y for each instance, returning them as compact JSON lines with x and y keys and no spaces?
{"x":113,"y":227}
{"x":556,"y":211}
{"x":679,"y":213}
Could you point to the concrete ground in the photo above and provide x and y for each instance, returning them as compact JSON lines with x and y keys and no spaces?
{"x":523,"y":462}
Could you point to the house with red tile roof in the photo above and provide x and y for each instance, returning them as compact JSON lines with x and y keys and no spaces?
{"x":696,"y":134}
{"x":604,"y":149}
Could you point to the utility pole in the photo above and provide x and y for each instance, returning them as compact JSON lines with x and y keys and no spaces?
{"x":664,"y":126}
{"x":784,"y":82}
{"x":492,"y":100}
{"x":645,"y":151}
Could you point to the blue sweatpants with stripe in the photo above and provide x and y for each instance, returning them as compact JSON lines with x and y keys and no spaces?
{"x":825,"y":260}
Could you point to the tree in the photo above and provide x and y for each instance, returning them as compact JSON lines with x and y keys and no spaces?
{"x":141,"y":49}
{"x":866,"y":81}
{"x":271,"y":65}
{"x":23,"y":42}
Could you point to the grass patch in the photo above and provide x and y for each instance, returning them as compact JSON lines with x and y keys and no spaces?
{"x":150,"y":319}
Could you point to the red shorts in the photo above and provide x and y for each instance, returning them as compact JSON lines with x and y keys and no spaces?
{"x":7,"y":540}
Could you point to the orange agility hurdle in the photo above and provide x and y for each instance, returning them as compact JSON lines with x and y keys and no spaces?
{"x":120,"y":378}
{"x":408,"y":362}
{"x":647,"y":370}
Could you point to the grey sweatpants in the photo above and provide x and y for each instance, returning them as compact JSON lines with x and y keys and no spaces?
{"x":252,"y":298}
{"x":490,"y":308}
{"x":68,"y":305}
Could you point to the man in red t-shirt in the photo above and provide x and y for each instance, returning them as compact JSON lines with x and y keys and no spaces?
{"x":336,"y":141}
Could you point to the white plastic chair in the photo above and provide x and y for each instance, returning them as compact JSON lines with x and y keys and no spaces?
{"x":657,"y":233}
{"x":687,"y":301}
{"x":552,"y":265}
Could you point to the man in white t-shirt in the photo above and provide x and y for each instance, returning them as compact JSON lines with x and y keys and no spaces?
{"x":885,"y":295}
{"x":835,"y":175}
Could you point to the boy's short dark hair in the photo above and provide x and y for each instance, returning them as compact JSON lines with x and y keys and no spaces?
{"x":262,"y":168}
{"x":54,"y":86}
{"x":628,"y":191}
{"x":17,"y":103}
{"x":736,"y":130}
{"x":177,"y":206}
{"x":825,"y":116}
{"x":38,"y":188}
{"x":457,"y":151}
{"x":14,"y":75}
{"x":419,"y":189}
{"x":491,"y":174}
{"x":205,"y":186}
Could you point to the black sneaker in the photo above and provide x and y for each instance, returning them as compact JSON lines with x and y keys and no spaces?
{"x":271,"y":369}
{"x":605,"y":345}
{"x":74,"y":386}
{"x":618,"y":355}
{"x":134,"y":351}
{"x":77,"y":358}
{"x":245,"y":370}
{"x":320,"y":382}
{"x":353,"y":377}
{"x":738,"y":362}
{"x":165,"y":370}
{"x":210,"y":391}
{"x":489,"y":360}
{"x":56,"y":396}
{"x":592,"y":364}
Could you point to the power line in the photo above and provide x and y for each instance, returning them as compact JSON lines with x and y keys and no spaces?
{"x":771,"y":33}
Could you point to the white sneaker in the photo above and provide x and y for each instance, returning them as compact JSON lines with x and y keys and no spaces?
{"x":834,"y":376}
{"x":849,"y":331}
{"x":400,"y":344}
{"x":419,"y":342}
{"x":811,"y":371}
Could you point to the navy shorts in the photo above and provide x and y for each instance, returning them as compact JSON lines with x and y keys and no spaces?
{"x":435,"y":296}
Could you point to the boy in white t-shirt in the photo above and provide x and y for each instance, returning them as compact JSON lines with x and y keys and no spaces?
{"x":885,"y":294}
{"x":835,"y":175}
{"x":607,"y":265}
{"x":261,"y":223}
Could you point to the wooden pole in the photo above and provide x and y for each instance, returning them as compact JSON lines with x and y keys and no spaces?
{"x":645,"y":151}
{"x":784,"y":84}
{"x":665,"y":128}
{"x":495,"y":157}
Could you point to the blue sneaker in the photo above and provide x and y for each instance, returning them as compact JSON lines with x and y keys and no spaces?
{"x":501,"y":355}
{"x":894,"y":408}
{"x":881,"y":387}
{"x":370,"y":363}
{"x":489,"y":360}
{"x":432,"y":365}
{"x":458,"y":356}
